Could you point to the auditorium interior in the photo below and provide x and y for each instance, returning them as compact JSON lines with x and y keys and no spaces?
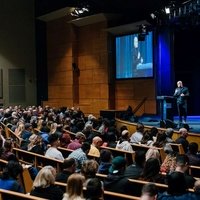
{"x":81,"y":56}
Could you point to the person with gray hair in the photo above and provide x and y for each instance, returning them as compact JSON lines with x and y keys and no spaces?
{"x":169,"y":133}
{"x":182,"y":139}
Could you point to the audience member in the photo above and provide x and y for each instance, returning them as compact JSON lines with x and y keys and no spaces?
{"x":149,"y":192}
{"x":137,"y":136}
{"x":43,"y":185}
{"x":52,"y":151}
{"x":151,"y":171}
{"x":182,"y":139}
{"x":110,"y":139}
{"x":36,"y":144}
{"x":80,"y":155}
{"x":94,"y":148}
{"x":89,"y":170}
{"x":75,"y":144}
{"x":68,"y":168}
{"x":7,"y":151}
{"x":74,"y":190}
{"x":94,"y":189}
{"x":182,"y":165}
{"x":147,"y":138}
{"x":123,"y":142}
{"x":65,"y":140}
{"x":194,"y":159}
{"x":177,"y":188}
{"x":8,"y":180}
{"x":197,"y":187}
{"x":105,"y":161}
{"x":116,"y":181}
{"x":134,"y":171}
{"x":169,"y":133}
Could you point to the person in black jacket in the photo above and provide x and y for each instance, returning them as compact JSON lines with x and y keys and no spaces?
{"x":181,"y":94}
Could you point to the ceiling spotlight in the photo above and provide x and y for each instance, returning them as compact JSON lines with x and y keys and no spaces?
{"x":79,"y":12}
{"x":167,"y":10}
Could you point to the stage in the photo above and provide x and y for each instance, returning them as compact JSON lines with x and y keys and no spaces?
{"x":152,"y":120}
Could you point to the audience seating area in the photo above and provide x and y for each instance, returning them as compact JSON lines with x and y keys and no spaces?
{"x":39,"y":161}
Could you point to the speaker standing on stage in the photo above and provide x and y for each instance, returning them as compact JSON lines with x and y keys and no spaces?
{"x":181,"y":94}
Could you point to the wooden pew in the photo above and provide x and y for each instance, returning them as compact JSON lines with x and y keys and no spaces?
{"x":177,"y":148}
{"x":130,"y":156}
{"x":8,"y":195}
{"x":146,"y":148}
{"x":10,"y":134}
{"x":161,"y":187}
{"x":36,"y":160}
{"x":107,"y":194}
{"x":194,"y":171}
{"x":192,"y":137}
{"x":65,"y":152}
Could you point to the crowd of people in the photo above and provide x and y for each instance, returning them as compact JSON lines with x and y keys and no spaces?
{"x":43,"y":130}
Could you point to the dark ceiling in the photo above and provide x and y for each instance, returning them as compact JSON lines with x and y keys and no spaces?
{"x":129,"y":10}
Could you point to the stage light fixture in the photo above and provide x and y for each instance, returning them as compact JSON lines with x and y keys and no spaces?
{"x":79,"y":12}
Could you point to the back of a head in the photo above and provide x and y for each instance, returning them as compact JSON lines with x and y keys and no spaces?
{"x":89,"y":168}
{"x":53,"y":138}
{"x":12,"y":170}
{"x":68,"y":162}
{"x":169,"y":132}
{"x":105,"y":155}
{"x":154,"y":131}
{"x":176,"y":183}
{"x":75,"y":185}
{"x":94,"y":189}
{"x":80,"y":135}
{"x":149,"y":191}
{"x":8,"y":144}
{"x":151,"y":168}
{"x":45,"y":177}
{"x":140,"y":157}
{"x":85,"y":146}
{"x":118,"y":165}
{"x":140,"y":127}
{"x":193,"y":147}
{"x":182,"y":160}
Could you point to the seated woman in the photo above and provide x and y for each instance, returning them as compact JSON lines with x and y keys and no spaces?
{"x":74,"y":187}
{"x":151,"y":171}
{"x":8,"y":180}
{"x":7,"y":151}
{"x":43,"y":185}
{"x":89,"y":170}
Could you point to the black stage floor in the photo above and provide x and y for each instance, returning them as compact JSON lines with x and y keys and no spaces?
{"x":152,"y":120}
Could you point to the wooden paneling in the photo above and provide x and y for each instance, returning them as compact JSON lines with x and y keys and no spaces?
{"x":90,"y":88}
{"x":132,"y":92}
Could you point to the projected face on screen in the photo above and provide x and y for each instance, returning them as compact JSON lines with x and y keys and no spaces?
{"x":134,"y":58}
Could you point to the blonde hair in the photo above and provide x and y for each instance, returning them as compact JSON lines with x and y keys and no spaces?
{"x":74,"y":186}
{"x":45,"y":177}
{"x":20,"y":128}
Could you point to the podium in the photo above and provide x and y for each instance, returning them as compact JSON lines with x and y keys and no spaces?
{"x":166,"y":107}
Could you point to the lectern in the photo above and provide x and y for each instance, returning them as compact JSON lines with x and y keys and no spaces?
{"x":166,"y":106}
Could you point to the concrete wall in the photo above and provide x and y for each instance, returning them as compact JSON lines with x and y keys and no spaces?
{"x":17,"y":51}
